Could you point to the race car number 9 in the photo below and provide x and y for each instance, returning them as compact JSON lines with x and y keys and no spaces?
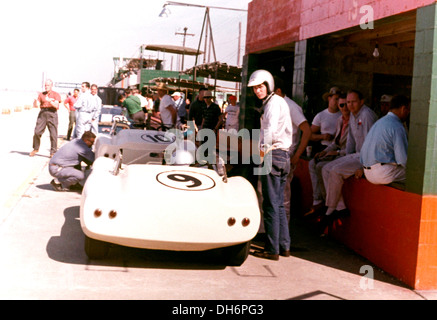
{"x":185,"y":180}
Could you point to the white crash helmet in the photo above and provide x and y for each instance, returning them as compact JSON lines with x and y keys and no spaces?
{"x":182,"y":157}
{"x":260,"y":77}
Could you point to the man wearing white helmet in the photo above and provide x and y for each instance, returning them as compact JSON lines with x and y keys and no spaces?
{"x":276,"y":135}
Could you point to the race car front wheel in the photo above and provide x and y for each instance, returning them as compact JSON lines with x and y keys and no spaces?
{"x":96,"y":249}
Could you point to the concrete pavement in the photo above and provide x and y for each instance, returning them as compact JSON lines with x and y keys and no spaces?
{"x":18,"y":169}
{"x":43,"y":258}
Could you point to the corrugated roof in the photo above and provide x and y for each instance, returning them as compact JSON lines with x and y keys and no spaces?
{"x":173,"y":49}
{"x":175,"y":83}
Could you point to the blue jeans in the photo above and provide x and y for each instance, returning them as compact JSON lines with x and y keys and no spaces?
{"x":275,"y":218}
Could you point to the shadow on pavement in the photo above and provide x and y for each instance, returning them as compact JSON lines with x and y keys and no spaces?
{"x":47,"y":186}
{"x":308,"y":245}
{"x":26,"y":153}
{"x":69,"y":248}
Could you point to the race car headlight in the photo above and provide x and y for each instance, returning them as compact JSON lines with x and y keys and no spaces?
{"x":231,"y":221}
{"x":245,"y":222}
{"x":112,"y":214}
{"x":97,"y":213}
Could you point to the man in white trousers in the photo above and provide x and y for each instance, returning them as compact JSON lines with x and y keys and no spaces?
{"x":361,"y":120}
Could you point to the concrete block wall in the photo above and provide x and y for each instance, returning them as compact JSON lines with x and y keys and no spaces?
{"x":323,"y":16}
{"x":275,"y":23}
{"x":272,"y":23}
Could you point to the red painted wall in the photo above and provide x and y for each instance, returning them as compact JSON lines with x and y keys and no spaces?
{"x":384,"y":227}
{"x":273,"y":24}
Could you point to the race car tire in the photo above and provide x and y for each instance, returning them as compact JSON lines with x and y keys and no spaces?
{"x":96,"y":249}
{"x":236,"y":255}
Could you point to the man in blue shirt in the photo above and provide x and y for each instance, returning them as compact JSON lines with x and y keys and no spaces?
{"x":384,"y":152}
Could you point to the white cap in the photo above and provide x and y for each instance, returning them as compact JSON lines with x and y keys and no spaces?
{"x":386,"y":98}
{"x":176,"y":94}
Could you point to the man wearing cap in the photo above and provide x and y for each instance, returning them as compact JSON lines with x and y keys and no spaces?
{"x":211,"y":113}
{"x":384,"y":104}
{"x":167,"y":108}
{"x":324,"y":123}
{"x":180,"y":104}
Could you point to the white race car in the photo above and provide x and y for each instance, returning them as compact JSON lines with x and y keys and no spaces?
{"x":132,"y":199}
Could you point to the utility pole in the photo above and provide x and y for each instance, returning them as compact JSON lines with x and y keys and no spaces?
{"x":185,"y":34}
{"x":239,"y":45}
{"x":237,"y":85}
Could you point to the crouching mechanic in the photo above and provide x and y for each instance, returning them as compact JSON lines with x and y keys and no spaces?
{"x":65,"y":166}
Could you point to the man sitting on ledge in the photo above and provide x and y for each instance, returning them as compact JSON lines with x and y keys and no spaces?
{"x":384,"y":152}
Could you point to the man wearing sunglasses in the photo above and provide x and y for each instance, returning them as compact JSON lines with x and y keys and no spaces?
{"x":361,"y":120}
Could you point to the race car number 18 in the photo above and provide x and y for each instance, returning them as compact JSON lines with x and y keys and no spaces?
{"x":185,"y":180}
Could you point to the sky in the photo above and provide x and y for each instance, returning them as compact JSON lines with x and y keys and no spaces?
{"x":76,"y":41}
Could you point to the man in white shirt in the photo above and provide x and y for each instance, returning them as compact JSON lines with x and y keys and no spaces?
{"x":300,"y":125}
{"x":167,"y":108}
{"x":180,"y":104}
{"x":276,"y":135}
{"x":97,"y":102}
{"x":87,"y":110}
{"x":232,"y":114}
{"x":325,"y":122}
{"x":143,"y":100}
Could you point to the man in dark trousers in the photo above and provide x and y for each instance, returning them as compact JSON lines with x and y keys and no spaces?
{"x":49,"y":101}
{"x":65,"y":165}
